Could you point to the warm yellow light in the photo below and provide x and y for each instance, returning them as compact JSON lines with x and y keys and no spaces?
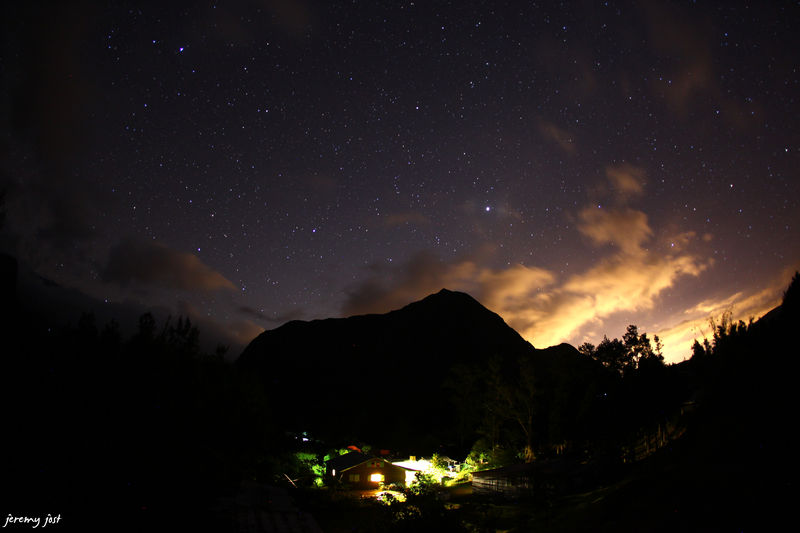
{"x":376,"y":478}
{"x":398,"y":496}
{"x":413,"y":464}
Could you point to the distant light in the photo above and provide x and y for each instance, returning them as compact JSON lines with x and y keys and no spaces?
{"x":488,"y":208}
{"x":180,"y":49}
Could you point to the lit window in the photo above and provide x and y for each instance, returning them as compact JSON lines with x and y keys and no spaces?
{"x":376,"y":478}
{"x":354,"y":478}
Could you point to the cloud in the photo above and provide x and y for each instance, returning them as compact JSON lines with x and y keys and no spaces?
{"x":693,"y":323}
{"x":249,"y":311}
{"x":542,"y":307}
{"x":407,"y":217}
{"x":558,"y":135}
{"x":625,"y":228}
{"x":617,"y":284}
{"x":688,"y":78}
{"x":681,"y":41}
{"x":281,"y":318}
{"x":630,"y":279}
{"x":152,"y":263}
{"x":638,"y":271}
{"x":235,"y":334}
{"x":619,"y":226}
{"x":242,"y":332}
{"x":391,"y":288}
{"x":234,"y":22}
{"x":626,"y":179}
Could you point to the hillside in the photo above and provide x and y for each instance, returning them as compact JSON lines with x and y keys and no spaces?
{"x":382,"y":377}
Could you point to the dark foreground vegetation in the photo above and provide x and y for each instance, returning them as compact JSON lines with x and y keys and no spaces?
{"x":147,"y":433}
{"x":129,"y":434}
{"x":123,"y":434}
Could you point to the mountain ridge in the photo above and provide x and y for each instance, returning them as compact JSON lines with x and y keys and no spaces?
{"x":439,"y":299}
{"x":333,"y":368}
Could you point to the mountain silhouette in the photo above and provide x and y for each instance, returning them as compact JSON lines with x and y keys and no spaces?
{"x":381,"y":377}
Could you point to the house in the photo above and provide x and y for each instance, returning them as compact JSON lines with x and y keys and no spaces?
{"x":366,"y":472}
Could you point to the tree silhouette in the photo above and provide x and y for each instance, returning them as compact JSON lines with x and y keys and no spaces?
{"x":588,"y":349}
{"x":791,"y":297}
{"x":613,"y":355}
{"x":512,"y":396}
{"x":137,"y":419}
{"x":625,"y":356}
{"x":698,"y":350}
{"x":147,"y":328}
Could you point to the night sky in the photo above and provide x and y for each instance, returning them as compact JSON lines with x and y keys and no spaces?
{"x":574,"y":166}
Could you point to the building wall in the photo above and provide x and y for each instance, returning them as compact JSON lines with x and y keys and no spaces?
{"x":377,"y":467}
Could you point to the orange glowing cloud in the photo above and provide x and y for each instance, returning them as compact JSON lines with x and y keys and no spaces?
{"x":631,"y":279}
{"x":639,"y":268}
{"x":532,"y":300}
{"x":616,"y":284}
{"x":626,"y":228}
{"x":391,"y":288}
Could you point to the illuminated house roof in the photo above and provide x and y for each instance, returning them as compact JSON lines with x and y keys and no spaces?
{"x":347,"y":461}
{"x":367,"y":471}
